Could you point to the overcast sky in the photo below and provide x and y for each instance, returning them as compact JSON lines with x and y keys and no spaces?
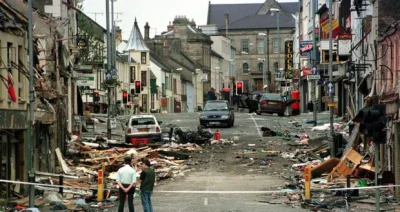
{"x":157,"y":12}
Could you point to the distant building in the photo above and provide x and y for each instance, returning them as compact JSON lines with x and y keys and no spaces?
{"x":242,"y":24}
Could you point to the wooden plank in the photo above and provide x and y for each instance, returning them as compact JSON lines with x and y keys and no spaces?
{"x":350,"y":112}
{"x":63,"y":165}
{"x":55,"y":175}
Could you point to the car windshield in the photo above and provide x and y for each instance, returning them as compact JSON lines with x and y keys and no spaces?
{"x":143,"y":121}
{"x":216,"y":106}
{"x":273,"y":97}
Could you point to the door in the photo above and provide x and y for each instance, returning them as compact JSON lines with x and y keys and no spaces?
{"x":190,"y":98}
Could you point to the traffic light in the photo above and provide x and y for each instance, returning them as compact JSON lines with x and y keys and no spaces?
{"x":373,"y":123}
{"x":96,"y":96}
{"x":124,"y":97}
{"x":137,"y":87}
{"x":239,"y":87}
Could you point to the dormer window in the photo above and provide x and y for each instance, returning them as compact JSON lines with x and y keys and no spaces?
{"x":143,"y":58}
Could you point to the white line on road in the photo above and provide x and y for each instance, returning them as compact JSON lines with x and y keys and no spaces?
{"x":208,"y":178}
{"x":258,"y":128}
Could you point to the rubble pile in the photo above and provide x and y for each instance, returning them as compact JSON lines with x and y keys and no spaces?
{"x":86,"y":157}
{"x":352,"y":167}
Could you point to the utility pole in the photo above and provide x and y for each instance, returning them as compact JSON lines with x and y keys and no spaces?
{"x":265,"y":81}
{"x":331,"y":94}
{"x":31,"y":105}
{"x":314,"y":62}
{"x":108,"y":67}
{"x":113,"y":56}
{"x":279,"y":51}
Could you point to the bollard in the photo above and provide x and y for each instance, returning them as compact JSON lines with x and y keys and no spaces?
{"x":307,"y":184}
{"x":100,"y":186}
{"x":61,"y":189}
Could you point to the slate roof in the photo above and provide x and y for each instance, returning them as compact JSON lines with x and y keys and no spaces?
{"x":136,"y":41}
{"x":126,"y":58}
{"x":244,"y":16}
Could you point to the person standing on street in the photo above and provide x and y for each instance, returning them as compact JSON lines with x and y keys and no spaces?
{"x":147,"y":179}
{"x":126,"y":179}
{"x":135,"y":104}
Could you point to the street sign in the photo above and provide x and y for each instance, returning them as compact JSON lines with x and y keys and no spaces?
{"x":314,"y":70}
{"x":113,"y":123}
{"x":313,"y":77}
{"x":85,"y":80}
{"x":330,"y":88}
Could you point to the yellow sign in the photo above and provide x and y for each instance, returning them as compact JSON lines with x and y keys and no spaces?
{"x":332,"y":104}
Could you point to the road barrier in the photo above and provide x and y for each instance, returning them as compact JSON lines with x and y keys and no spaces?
{"x":203,"y":191}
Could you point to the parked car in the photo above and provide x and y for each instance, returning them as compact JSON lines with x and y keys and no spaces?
{"x":217,"y":112}
{"x":142,"y":129}
{"x":271,"y":103}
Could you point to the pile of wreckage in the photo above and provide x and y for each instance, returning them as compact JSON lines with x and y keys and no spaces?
{"x":84,"y":159}
{"x":352,"y":167}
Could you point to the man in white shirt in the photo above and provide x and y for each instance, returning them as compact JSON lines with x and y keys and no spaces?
{"x":126,"y":179}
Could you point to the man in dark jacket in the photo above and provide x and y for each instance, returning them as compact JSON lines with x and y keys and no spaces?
{"x":147,"y":179}
{"x":211,"y":95}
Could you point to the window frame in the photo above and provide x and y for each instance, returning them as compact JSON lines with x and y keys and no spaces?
{"x":261,"y":47}
{"x":275,"y":45}
{"x":245,"y":45}
{"x":260,"y":67}
{"x":143,"y":57}
{"x":245,"y":71}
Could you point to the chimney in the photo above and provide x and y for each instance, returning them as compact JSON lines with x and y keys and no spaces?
{"x":170,"y":27}
{"x":118,"y":34}
{"x":147,"y":31}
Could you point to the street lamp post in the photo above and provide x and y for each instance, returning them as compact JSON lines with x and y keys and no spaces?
{"x":108,"y":67}
{"x":276,"y":10}
{"x":265,"y":80}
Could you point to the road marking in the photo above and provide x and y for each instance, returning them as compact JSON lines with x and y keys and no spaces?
{"x":258,"y":128}
{"x":208,"y":178}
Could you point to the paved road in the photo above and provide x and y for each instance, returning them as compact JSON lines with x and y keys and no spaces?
{"x":215,"y":176}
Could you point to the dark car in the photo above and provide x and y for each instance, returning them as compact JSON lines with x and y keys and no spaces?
{"x":271,"y":103}
{"x":217,"y":112}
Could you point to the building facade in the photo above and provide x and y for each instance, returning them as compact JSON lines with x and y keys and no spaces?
{"x":258,"y":33}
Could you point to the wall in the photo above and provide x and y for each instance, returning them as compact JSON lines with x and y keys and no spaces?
{"x":17,"y":52}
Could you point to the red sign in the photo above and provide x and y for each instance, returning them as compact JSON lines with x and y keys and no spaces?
{"x":305,"y":72}
{"x":306,"y":48}
{"x":344,"y":37}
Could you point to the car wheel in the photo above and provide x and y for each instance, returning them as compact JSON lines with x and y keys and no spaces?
{"x":258,"y":113}
{"x":281,"y":114}
{"x":127,"y":140}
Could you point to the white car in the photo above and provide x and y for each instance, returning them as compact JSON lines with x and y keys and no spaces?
{"x":143,"y":127}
